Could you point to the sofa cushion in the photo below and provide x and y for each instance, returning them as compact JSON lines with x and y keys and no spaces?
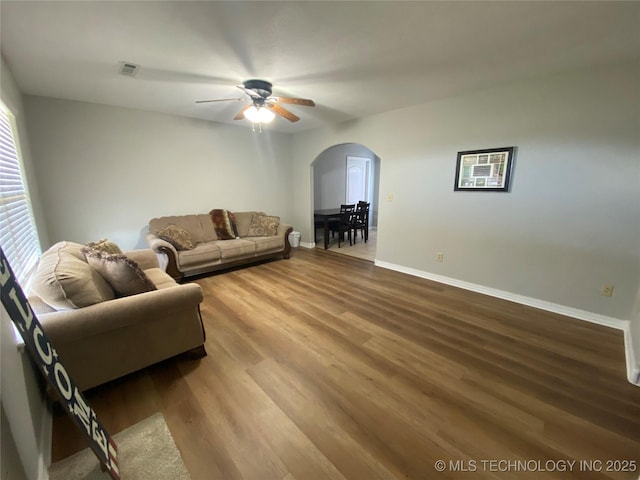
{"x":177,"y":236}
{"x":243,"y":220}
{"x":202,"y":254}
{"x":199,"y":226}
{"x":224,"y":223}
{"x":39,"y":306}
{"x":263,"y":226}
{"x":64,"y":280}
{"x":266,"y":244}
{"x":105,"y":245}
{"x":230,"y":249}
{"x":123,"y":274}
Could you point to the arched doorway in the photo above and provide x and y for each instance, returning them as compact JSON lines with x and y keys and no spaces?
{"x":340,"y":174}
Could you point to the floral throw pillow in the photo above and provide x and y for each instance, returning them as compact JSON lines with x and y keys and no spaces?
{"x":105,"y":245}
{"x":263,"y":226}
{"x":177,"y":236}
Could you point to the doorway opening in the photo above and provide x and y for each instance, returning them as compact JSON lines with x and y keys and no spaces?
{"x":346,"y":174}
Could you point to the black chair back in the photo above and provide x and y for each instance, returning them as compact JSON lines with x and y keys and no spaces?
{"x":346,"y":213}
{"x":345,"y":223}
{"x":361,"y":220}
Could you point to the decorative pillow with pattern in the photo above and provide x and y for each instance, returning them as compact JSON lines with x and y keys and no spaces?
{"x":123,"y":274}
{"x":263,"y":226}
{"x":177,"y":236}
{"x":224,"y":223}
{"x":105,"y":245}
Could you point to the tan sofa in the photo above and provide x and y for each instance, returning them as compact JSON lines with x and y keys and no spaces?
{"x":211,"y":253}
{"x":100,"y":336}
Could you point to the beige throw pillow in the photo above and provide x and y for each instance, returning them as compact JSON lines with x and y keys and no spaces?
{"x":177,"y":236}
{"x":263,"y":226}
{"x":123,"y":274}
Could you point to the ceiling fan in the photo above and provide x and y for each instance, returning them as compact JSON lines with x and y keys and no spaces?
{"x":263,"y":105}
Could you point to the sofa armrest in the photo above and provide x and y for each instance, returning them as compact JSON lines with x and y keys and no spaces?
{"x":162,"y":246}
{"x":77,"y":324}
{"x":145,"y":258}
{"x":156,"y":243}
{"x":284,"y":229}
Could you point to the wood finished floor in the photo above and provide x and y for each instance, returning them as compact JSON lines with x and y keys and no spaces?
{"x":324,"y":366}
{"x":359,"y":249}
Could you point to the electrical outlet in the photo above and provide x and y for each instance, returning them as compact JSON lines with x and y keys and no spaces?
{"x":607,"y":291}
{"x":440,"y":257}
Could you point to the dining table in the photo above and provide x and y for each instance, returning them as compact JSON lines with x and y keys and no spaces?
{"x":325,"y":216}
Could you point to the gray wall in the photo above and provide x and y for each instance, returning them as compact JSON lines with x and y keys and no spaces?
{"x":568,"y":226}
{"x":329,"y":184}
{"x":106,"y":171}
{"x":10,"y":465}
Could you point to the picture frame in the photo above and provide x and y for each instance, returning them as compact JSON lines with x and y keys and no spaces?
{"x":486,"y":170}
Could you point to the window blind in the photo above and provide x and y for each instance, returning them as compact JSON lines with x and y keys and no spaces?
{"x":18,"y":234}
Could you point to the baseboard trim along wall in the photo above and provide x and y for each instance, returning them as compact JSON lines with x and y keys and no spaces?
{"x":46,"y":443}
{"x":632,"y":360}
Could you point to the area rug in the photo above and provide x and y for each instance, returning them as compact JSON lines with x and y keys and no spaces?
{"x":145,"y":450}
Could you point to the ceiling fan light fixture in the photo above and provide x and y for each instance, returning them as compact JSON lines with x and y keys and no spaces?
{"x":259,"y":114}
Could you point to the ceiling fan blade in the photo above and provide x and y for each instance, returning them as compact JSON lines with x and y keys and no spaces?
{"x":240,"y":114}
{"x":283,"y":112}
{"x":248,"y":91}
{"x":295,"y":101}
{"x":222,"y":100}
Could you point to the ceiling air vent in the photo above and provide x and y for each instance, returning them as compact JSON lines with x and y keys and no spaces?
{"x":129,"y":69}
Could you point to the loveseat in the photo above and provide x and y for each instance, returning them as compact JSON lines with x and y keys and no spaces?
{"x":110,"y":315}
{"x":203,"y":243}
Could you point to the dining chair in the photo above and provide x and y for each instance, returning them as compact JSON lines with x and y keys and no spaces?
{"x":345,"y":222}
{"x":361,"y":221}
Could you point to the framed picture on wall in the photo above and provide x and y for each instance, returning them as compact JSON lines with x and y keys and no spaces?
{"x":485,"y":170}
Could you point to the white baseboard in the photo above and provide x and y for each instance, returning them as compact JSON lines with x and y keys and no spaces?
{"x":46,"y":444}
{"x":308,"y":244}
{"x":632,"y":359}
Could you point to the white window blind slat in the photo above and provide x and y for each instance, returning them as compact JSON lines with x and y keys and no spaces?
{"x":18,"y":234}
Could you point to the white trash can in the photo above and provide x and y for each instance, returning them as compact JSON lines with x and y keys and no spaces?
{"x":294,"y":239}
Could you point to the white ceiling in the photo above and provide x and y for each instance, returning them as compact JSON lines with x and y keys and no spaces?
{"x":353,"y":58}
